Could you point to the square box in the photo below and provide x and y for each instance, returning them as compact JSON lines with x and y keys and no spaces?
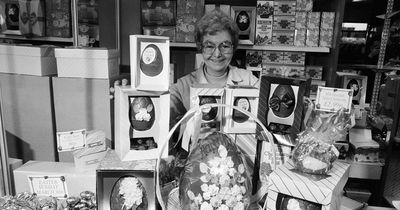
{"x":295,"y":58}
{"x":313,"y":20}
{"x":158,"y":13}
{"x":204,"y":94}
{"x":314,"y":72}
{"x":301,"y":20}
{"x":254,"y":60}
{"x":284,"y":22}
{"x":89,"y":161}
{"x":283,"y":37}
{"x":87,"y":63}
{"x":312,"y":38}
{"x":245,"y":19}
{"x":325,"y":192}
{"x":325,"y":38}
{"x":284,"y":7}
{"x":273,"y":69}
{"x":246,"y":99}
{"x":300,"y":37}
{"x":359,"y":85}
{"x":112,"y":172}
{"x":29,"y":60}
{"x":304,"y":5}
{"x":168,"y":31}
{"x":327,"y":20}
{"x":273,"y":57}
{"x":283,"y":117}
{"x":149,"y":56}
{"x":294,"y":71}
{"x":141,"y":124}
{"x":75,"y":180}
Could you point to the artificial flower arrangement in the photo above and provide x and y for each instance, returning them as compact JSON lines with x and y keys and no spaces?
{"x":215,"y":176}
{"x":128,"y":193}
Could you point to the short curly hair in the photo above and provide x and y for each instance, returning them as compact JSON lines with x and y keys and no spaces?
{"x":213,"y":22}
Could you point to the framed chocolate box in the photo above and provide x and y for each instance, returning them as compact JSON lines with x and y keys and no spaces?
{"x":149,"y":56}
{"x":9,"y":14}
{"x":281,"y":107}
{"x":359,"y":85}
{"x":245,"y":98}
{"x":245,"y":18}
{"x":141,"y":125}
{"x":158,"y":13}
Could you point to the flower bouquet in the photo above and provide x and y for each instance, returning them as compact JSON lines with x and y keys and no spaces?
{"x":128,"y":193}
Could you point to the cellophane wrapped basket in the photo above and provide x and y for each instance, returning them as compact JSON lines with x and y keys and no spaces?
{"x":215,"y":174}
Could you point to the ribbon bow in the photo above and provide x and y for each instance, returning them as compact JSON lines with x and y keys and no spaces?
{"x":286,"y":101}
{"x":32,"y":18}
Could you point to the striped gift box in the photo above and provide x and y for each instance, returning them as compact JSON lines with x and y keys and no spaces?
{"x":326,"y":191}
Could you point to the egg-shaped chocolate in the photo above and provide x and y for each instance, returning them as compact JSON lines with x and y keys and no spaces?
{"x":151,"y":60}
{"x":128,"y":192}
{"x":242,"y":103}
{"x":243,"y":20}
{"x":141,"y":113}
{"x":282,"y":101}
{"x":211,"y":113}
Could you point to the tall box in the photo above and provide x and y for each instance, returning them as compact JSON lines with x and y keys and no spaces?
{"x":264,"y":21}
{"x":32,"y":17}
{"x":30,"y":60}
{"x":58,"y":18}
{"x":325,"y":192}
{"x":87,"y":63}
{"x":188,"y":12}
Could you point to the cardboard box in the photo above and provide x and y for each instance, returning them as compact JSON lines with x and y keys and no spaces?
{"x":304,"y":5}
{"x":284,"y":7}
{"x":254,"y":60}
{"x":358,"y":194}
{"x":29,"y":60}
{"x":160,"y":13}
{"x":272,"y":57}
{"x":295,"y":58}
{"x":350,"y":204}
{"x":300,"y":37}
{"x":32,"y":25}
{"x":87,"y":63}
{"x":365,"y":170}
{"x":264,"y":21}
{"x":188,"y":12}
{"x":168,"y":31}
{"x":283,"y":37}
{"x":326,"y":191}
{"x":112,"y":171}
{"x":312,"y":38}
{"x":58,"y":18}
{"x":273,"y":69}
{"x":314,"y":87}
{"x":314,"y":72}
{"x":74,"y":180}
{"x":327,"y":20}
{"x":301,"y":20}
{"x":141,"y":123}
{"x":284,"y":22}
{"x":89,"y":161}
{"x":313,"y":20}
{"x":325,"y":37}
{"x":95,"y":142}
{"x":10,"y":20}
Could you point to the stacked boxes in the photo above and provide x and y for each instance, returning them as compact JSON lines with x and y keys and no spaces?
{"x":284,"y":23}
{"x":264,"y":19}
{"x":159,"y":18}
{"x":326,"y":29}
{"x":289,"y":64}
{"x":187,"y":14}
{"x":313,"y":21}
{"x":300,"y":28}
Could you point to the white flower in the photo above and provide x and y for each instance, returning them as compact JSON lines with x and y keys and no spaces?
{"x":222,"y":151}
{"x":213,"y":189}
{"x":131,"y":192}
{"x":204,"y":178}
{"x":223,"y":207}
{"x":203,"y":168}
{"x":142,"y":115}
{"x":224,"y":180}
{"x":236,"y":190}
{"x":224,"y":192}
{"x":241,"y":168}
{"x":231,"y":201}
{"x":215,"y":202}
{"x":198,"y":199}
{"x":239,"y":206}
{"x":243,"y":189}
{"x":293,"y":204}
{"x":207,"y":195}
{"x":215,"y":162}
{"x":230,"y":162}
{"x":239,"y":197}
{"x":232,"y":172}
{"x":204,"y":187}
{"x":206,"y":206}
{"x":191,"y":195}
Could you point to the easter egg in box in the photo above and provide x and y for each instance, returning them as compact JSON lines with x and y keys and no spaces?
{"x":151,"y":60}
{"x":128,"y":193}
{"x":141,"y":113}
{"x":211,"y":113}
{"x":242,"y":103}
{"x":243,"y":21}
{"x":282,"y":101}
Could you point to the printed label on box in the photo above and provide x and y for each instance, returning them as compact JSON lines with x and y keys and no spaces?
{"x":45,"y":185}
{"x":71,"y":140}
{"x":333,"y":99}
{"x":264,"y":21}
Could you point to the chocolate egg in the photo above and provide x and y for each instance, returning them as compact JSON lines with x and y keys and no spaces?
{"x":141,"y":113}
{"x":151,"y":60}
{"x":243,"y":20}
{"x":282,"y":101}
{"x":128,"y":193}
{"x":242,"y":103}
{"x":211,"y":113}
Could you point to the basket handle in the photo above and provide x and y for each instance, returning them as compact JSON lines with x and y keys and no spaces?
{"x":191,"y":112}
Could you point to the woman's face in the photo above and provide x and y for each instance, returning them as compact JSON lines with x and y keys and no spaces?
{"x":217,"y":60}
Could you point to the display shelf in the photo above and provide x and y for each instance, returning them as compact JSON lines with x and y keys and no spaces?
{"x":272,"y":47}
{"x":47,"y":39}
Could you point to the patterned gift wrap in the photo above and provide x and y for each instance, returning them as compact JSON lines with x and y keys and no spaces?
{"x":162,"y":13}
{"x":313,"y":20}
{"x":274,"y":57}
{"x":168,"y":31}
{"x":296,"y":58}
{"x":312,"y":38}
{"x":300,"y":37}
{"x":314,"y":72}
{"x":294,"y":71}
{"x":327,"y":20}
{"x":304,"y":5}
{"x":326,"y":191}
{"x":284,"y":7}
{"x":269,"y":69}
{"x":284,"y":22}
{"x":301,"y":20}
{"x":264,"y":21}
{"x":32,"y":18}
{"x":325,"y":38}
{"x":188,"y":12}
{"x":58,"y":18}
{"x":254,"y":60}
{"x":283,"y":37}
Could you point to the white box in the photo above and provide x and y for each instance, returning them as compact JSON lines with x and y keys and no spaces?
{"x":75,"y":180}
{"x":30,"y":60}
{"x":90,"y":161}
{"x":87,"y":63}
{"x":149,"y":56}
{"x":132,"y":134}
{"x":325,"y":191}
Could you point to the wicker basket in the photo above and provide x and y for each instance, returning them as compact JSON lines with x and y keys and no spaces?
{"x":173,"y":200}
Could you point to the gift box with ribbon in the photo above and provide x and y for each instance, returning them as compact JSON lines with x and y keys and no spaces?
{"x":32,"y":18}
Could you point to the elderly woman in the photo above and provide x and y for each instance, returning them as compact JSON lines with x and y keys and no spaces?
{"x":217,"y":39}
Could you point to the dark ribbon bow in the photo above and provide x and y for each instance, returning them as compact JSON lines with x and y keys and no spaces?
{"x":32,"y":18}
{"x":275,"y":102}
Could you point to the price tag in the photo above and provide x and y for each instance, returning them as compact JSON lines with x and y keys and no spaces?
{"x":71,"y":140}
{"x":333,"y":99}
{"x":54,"y":185}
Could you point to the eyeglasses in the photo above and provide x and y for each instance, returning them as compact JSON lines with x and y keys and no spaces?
{"x":224,"y":47}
